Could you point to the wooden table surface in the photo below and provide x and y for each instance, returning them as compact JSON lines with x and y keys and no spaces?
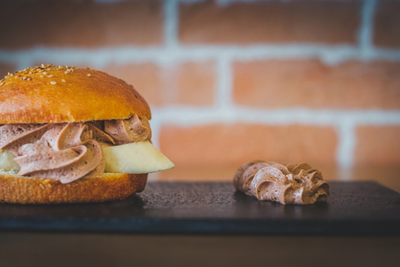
{"x":52,"y":249}
{"x":85,"y":249}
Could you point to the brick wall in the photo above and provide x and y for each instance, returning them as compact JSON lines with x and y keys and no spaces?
{"x":231,"y":81}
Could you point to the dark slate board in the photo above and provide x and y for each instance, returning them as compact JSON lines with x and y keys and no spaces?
{"x":211,"y":208}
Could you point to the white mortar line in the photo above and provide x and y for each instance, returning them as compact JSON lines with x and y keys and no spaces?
{"x":384,"y":54}
{"x":223,"y":96}
{"x":171,"y":17}
{"x":365,"y":34}
{"x":191,"y":116}
{"x":227,"y":2}
{"x":106,"y":1}
{"x":161,"y":55}
{"x":155,"y":131}
{"x":346,"y":143}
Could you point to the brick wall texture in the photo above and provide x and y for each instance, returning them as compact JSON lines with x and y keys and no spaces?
{"x":233,"y":81}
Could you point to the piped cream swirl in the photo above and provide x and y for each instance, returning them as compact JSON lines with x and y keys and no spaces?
{"x":287,"y":184}
{"x":128,"y":131}
{"x":68,"y":151}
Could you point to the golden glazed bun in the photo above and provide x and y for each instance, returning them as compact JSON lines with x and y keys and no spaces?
{"x":107,"y":187}
{"x":51,"y":94}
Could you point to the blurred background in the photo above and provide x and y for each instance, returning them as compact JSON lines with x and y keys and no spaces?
{"x":232,"y":81}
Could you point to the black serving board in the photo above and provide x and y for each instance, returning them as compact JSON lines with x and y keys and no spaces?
{"x":211,"y":208}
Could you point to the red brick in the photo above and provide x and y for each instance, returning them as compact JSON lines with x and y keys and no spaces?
{"x":218,"y":144}
{"x":185,"y":83}
{"x":80,"y":23}
{"x":387,"y":24}
{"x":309,"y":83}
{"x":146,"y":78}
{"x":378,"y":145}
{"x":195,"y":83}
{"x":6,"y":68}
{"x":272,"y":21}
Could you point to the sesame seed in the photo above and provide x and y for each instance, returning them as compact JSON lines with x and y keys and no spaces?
{"x":24,"y":78}
{"x":41,"y":76}
{"x":64,"y":81}
{"x":43,"y":66}
{"x":45,"y":73}
{"x":28,"y":79}
{"x":53,"y":82}
{"x":89,"y":74}
{"x":49,"y":76}
{"x":1,"y":84}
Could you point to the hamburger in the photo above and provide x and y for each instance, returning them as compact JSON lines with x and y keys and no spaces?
{"x":73,"y":135}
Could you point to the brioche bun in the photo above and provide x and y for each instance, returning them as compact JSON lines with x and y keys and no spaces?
{"x":107,"y":187}
{"x":50,"y":94}
{"x":55,"y":94}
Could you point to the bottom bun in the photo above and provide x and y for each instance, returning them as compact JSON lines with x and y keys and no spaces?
{"x":107,"y":187}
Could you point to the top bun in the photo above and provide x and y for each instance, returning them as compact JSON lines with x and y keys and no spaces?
{"x":52,"y":94}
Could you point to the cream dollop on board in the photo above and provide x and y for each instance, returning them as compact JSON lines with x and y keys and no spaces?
{"x":286,"y":184}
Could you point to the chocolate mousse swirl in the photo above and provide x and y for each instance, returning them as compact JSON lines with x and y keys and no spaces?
{"x":134,"y":129}
{"x":287,"y":184}
{"x":68,"y":151}
{"x":65,"y":152}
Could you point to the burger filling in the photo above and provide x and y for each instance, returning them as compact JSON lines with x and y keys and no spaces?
{"x":67,"y":151}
